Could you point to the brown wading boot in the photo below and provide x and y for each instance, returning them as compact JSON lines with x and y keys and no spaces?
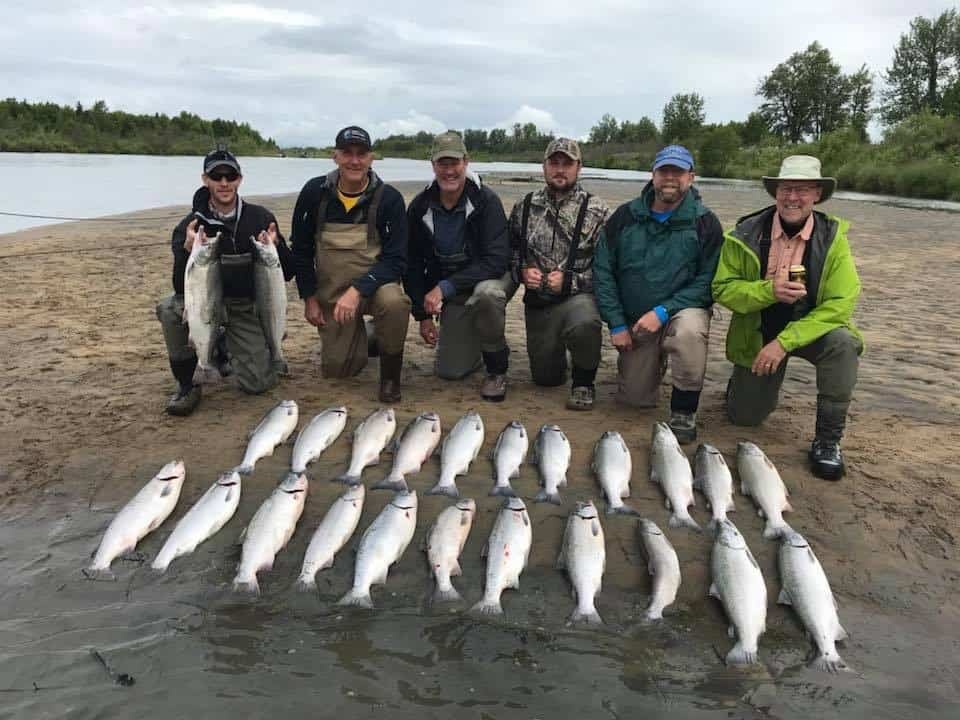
{"x":390,"y":369}
{"x":185,"y":401}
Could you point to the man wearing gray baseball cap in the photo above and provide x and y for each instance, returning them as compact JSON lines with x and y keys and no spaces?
{"x":788,"y":275}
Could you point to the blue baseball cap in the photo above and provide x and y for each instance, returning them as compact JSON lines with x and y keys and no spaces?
{"x":676,"y":155}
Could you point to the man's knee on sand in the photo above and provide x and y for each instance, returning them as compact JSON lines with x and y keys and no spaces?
{"x":689,"y":328}
{"x":170,"y":311}
{"x":746,"y":406}
{"x":842,"y":346}
{"x":488,"y":294}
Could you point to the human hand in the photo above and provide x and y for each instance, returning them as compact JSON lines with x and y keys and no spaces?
{"x":193,"y":233}
{"x":313,"y":313}
{"x":785,"y":290}
{"x":531,"y":277}
{"x":648,"y":323}
{"x":268,"y":236}
{"x":769,"y":358}
{"x":555,"y":281}
{"x":622,"y":341}
{"x":346,"y":308}
{"x":433,"y":301}
{"x":429,"y":332}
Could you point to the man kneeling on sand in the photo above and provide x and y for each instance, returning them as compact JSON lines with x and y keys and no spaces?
{"x":788,"y":275}
{"x":243,"y":350}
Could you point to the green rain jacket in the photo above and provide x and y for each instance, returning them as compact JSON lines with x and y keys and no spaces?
{"x":640,"y":263}
{"x":739,"y":285}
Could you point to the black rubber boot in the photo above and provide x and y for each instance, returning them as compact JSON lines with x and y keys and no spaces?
{"x":187,"y":397}
{"x":391,"y":367}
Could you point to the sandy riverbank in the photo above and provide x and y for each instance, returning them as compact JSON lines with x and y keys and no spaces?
{"x":84,"y":380}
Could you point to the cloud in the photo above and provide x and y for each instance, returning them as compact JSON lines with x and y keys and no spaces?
{"x":543,"y":119}
{"x":411,"y":124}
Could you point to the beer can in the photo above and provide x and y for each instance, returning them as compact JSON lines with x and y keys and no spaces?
{"x":798,"y":273}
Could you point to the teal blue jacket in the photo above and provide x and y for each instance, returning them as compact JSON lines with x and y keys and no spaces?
{"x":641,"y":263}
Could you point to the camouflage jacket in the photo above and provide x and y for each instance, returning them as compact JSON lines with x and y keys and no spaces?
{"x":550,"y":229}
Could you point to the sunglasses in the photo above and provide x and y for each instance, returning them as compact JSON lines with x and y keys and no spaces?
{"x":229,"y":175}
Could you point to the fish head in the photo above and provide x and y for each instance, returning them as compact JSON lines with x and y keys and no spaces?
{"x":342,"y":410}
{"x":727,"y":534}
{"x":173,"y":472}
{"x":586,"y":510}
{"x":466,"y":505}
{"x":610,"y":435}
{"x":515,"y":424}
{"x":794,"y":539}
{"x":745,"y":449}
{"x":354,"y":493}
{"x":514,"y":503}
{"x":228,"y":478}
{"x":294,"y":484}
{"x":663,"y":436}
{"x":388,"y":415}
{"x":405,"y":500}
{"x":648,"y":527}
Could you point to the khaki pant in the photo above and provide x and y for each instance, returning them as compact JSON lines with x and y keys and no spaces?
{"x":473,"y":324}
{"x":573,"y":325}
{"x":683,"y":341}
{"x":344,"y":347}
{"x":836,"y":355}
{"x":246,"y":343}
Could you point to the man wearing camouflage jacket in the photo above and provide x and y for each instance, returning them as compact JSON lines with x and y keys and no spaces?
{"x":553,"y":232}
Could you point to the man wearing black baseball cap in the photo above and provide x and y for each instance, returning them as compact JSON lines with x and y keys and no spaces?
{"x":654,"y":263}
{"x":219,"y":211}
{"x":349,"y":238}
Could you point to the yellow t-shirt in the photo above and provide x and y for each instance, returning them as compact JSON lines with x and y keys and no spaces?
{"x":349,"y":199}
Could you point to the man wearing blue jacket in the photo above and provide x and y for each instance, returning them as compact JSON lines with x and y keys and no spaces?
{"x":459,"y":253}
{"x":349,"y":238}
{"x":654,"y":263}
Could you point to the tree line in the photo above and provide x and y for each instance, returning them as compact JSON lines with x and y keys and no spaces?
{"x":47,"y":127}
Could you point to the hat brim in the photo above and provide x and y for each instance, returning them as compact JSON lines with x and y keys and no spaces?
{"x":452,"y":154}
{"x":827,"y":185}
{"x":221,"y":163}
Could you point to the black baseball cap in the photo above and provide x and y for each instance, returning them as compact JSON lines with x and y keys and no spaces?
{"x":221,"y":157}
{"x":353,"y":135}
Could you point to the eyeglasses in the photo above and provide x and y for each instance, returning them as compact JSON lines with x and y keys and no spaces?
{"x":229,"y":175}
{"x":801,"y":190}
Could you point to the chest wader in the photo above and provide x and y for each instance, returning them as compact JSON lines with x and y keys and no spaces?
{"x":246,"y":340}
{"x":344,"y":252}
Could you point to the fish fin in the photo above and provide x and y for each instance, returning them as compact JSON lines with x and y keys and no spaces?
{"x":487,"y":607}
{"x":484,"y":549}
{"x":760,"y":513}
{"x":739,"y":655}
{"x":595,"y":528}
{"x":744,"y":490}
{"x":357,"y":598}
{"x":167,"y":489}
{"x":654,"y":477}
{"x":561,"y":558}
{"x":327,"y":564}
{"x":677,"y":521}
{"x":653,"y":613}
{"x":752,"y":558}
{"x":784,"y":598}
{"x":841,"y":634}
{"x":464,"y":519}
{"x":731,"y":632}
{"x":388,"y":484}
{"x":455,"y":570}
{"x":503,"y":490}
{"x":243,"y":534}
{"x":229,"y":495}
{"x":249,"y":586}
{"x":589,"y":617}
{"x":450,"y":595}
{"x":347,"y":479}
{"x":515,"y":585}
{"x":712,"y":592}
{"x":787,"y":507}
{"x":544,"y":496}
{"x":382,"y":580}
{"x":448,"y":490}
{"x":667,"y":504}
{"x":103,"y":574}
{"x":305,"y":583}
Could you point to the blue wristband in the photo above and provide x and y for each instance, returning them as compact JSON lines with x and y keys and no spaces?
{"x":617,"y":329}
{"x":662,"y":313}
{"x":447,"y":288}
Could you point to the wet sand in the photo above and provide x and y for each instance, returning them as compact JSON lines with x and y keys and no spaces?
{"x":84,"y":377}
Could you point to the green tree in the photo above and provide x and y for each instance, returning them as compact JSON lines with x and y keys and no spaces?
{"x":859,"y":100}
{"x":718,"y":147}
{"x":924,"y":65}
{"x":682,"y":117}
{"x":642,"y":131}
{"x":605,"y":131}
{"x":475,"y":139}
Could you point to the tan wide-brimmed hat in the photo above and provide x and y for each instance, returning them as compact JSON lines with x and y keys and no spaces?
{"x":801,"y":167}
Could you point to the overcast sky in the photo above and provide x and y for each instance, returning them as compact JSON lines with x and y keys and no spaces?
{"x":298,"y":71}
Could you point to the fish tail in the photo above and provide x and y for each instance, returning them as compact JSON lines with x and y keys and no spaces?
{"x":503,"y":490}
{"x":248,"y":586}
{"x":357,"y":597}
{"x":450,"y":594}
{"x":160,"y":564}
{"x":830,"y":662}
{"x":622,"y":509}
{"x":739,"y":655}
{"x":677,"y":521}
{"x":654,"y":612}
{"x":95,"y":573}
{"x":544,"y":496}
{"x":488,"y":607}
{"x":305,"y":583}
{"x":775,"y":531}
{"x":347,"y":479}
{"x":391,"y":483}
{"x":244,"y":469}
{"x":589,"y":616}
{"x":448,"y":490}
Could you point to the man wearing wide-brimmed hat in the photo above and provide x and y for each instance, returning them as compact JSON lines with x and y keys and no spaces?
{"x":778,"y":313}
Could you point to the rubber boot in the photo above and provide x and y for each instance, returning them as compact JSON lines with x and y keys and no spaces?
{"x":390,"y":368}
{"x":187,"y":397}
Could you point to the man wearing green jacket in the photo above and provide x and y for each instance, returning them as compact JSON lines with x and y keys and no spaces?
{"x":776,"y":316}
{"x":652,"y":270}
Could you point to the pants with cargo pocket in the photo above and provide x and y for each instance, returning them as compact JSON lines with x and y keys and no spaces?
{"x":573,"y":324}
{"x":472,"y":324}
{"x":836,"y":356}
{"x":344,"y":347}
{"x":683,"y":340}
{"x":246,"y":343}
